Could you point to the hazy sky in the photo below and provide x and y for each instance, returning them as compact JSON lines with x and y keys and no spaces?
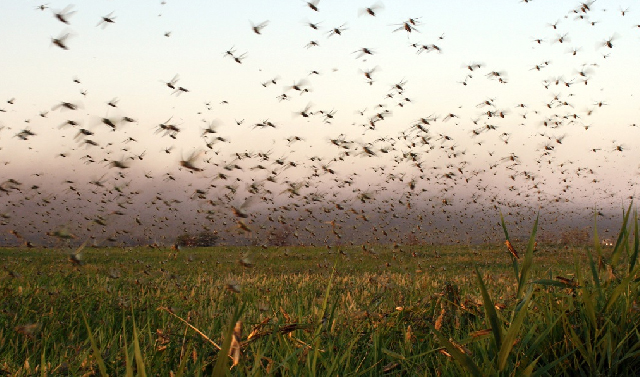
{"x":526,"y":102}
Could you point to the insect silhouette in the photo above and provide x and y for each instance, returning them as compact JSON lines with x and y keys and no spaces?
{"x":609,"y":42}
{"x":313,"y":5}
{"x":314,"y":26}
{"x":258,"y":28}
{"x":409,"y":26}
{"x":61,"y":41}
{"x":171,"y":84}
{"x":63,"y":15}
{"x":190,"y":161}
{"x":337,"y":31}
{"x":371,"y":11}
{"x":106,"y":20}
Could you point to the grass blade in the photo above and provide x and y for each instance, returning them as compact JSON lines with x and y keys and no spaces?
{"x":636,"y":242}
{"x":127,"y":358}
{"x":554,"y":283}
{"x":43,"y":365}
{"x":543,"y":370}
{"x":321,"y":322}
{"x":136,"y":351}
{"x":222,"y":362}
{"x":622,"y":287}
{"x":462,"y":358}
{"x":504,"y":227}
{"x":596,"y":239}
{"x":528,"y":259}
{"x":529,"y":369}
{"x":513,"y":256}
{"x":592,"y":263}
{"x":96,"y":350}
{"x":623,"y":235}
{"x":586,"y":297}
{"x":490,"y":311}
{"x":512,"y":333}
{"x":183,"y":362}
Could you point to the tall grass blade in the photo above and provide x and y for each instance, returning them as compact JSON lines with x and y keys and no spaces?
{"x":514,"y":261}
{"x":463,"y":359}
{"x":96,"y":350}
{"x":623,"y":286}
{"x":136,"y":351}
{"x":581,"y":343}
{"x":127,"y":358}
{"x":512,"y":333}
{"x":321,"y":322}
{"x":222,"y":362}
{"x":587,"y":301}
{"x":183,"y":362}
{"x":504,"y":227}
{"x":528,"y":259}
{"x":586,"y":297}
{"x":596,"y":239}
{"x":543,"y":336}
{"x":526,"y":372}
{"x":337,"y":362}
{"x":490,"y":311}
{"x":43,"y":365}
{"x":547,"y":367}
{"x":553,"y":283}
{"x":622,"y":236}
{"x":636,"y":243}
{"x":592,"y":264}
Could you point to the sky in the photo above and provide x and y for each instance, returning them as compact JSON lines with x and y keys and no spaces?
{"x":468,"y":108}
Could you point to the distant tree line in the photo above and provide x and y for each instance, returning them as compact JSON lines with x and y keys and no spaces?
{"x":202,"y":239}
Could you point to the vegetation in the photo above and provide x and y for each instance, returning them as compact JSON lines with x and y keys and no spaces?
{"x":398,"y":310}
{"x":202,"y":239}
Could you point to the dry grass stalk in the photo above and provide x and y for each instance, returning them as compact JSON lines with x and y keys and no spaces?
{"x":191,"y":326}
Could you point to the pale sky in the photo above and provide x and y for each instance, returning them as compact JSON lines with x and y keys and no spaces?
{"x":572,"y":142}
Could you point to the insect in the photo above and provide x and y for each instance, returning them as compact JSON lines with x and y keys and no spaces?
{"x":337,"y":31}
{"x":65,"y":105}
{"x":314,"y":26}
{"x":313,"y":5}
{"x":239,"y":59}
{"x":258,"y":28}
{"x":241,"y":210}
{"x":408,"y":26}
{"x":61,"y":41}
{"x":106,"y":20}
{"x":305,"y":112}
{"x":189,"y":162}
{"x":368,"y":75}
{"x":109,"y":123}
{"x":172,"y":83}
{"x":562,"y":38}
{"x":179,"y":90}
{"x":63,"y":15}
{"x":363,"y":51}
{"x":511,"y":249}
{"x":609,"y":42}
{"x":371,"y":11}
{"x":229,"y":52}
{"x":312,"y":44}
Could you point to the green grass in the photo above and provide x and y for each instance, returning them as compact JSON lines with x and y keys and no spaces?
{"x":407,"y":310}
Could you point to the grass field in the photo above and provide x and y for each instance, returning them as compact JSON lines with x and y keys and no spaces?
{"x":373,"y":310}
